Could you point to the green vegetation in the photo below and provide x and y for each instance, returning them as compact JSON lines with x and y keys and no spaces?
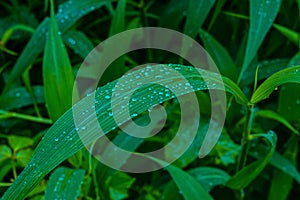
{"x":256,"y":47}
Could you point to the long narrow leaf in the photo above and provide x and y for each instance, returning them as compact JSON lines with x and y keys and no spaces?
{"x":262,"y":16}
{"x":62,"y":140}
{"x":67,"y":15}
{"x":58,"y":76}
{"x":197,"y":13}
{"x":289,"y":75}
{"x":242,"y":178}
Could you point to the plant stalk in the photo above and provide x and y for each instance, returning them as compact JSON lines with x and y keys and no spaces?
{"x":245,"y":140}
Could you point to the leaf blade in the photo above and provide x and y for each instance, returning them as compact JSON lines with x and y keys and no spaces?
{"x":262,"y":16}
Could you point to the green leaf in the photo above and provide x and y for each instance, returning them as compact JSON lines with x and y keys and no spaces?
{"x":64,"y":183}
{"x":289,"y":107}
{"x":76,"y":159}
{"x":5,"y":152}
{"x":62,"y":140}
{"x":19,"y":142}
{"x":281,"y":181}
{"x":118,"y":21}
{"x":119,"y":184}
{"x":217,"y":11}
{"x":65,"y":18}
{"x":173,"y":14}
{"x":116,"y":69}
{"x":262,"y":16}
{"x":208,"y":177}
{"x":291,"y":35}
{"x":265,"y":69}
{"x":189,"y":187}
{"x":23,"y":157}
{"x":220,"y":56}
{"x":196,"y":15}
{"x":289,"y":75}
{"x":269,"y":114}
{"x":58,"y":76}
{"x":279,"y":162}
{"x":245,"y":176}
{"x":19,"y":97}
{"x":79,"y":42}
{"x":285,"y":166}
{"x":225,"y":150}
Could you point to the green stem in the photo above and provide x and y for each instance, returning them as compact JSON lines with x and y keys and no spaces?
{"x":246,"y":133}
{"x":6,"y":114}
{"x":5,"y":184}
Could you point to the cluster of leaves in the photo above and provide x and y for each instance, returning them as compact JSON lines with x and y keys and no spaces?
{"x":255,"y":45}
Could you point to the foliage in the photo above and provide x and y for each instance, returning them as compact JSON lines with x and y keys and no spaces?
{"x":255,"y":45}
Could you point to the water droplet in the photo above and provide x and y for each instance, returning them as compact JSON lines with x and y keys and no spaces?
{"x":72,"y":41}
{"x":56,"y":139}
{"x":107,"y":97}
{"x":134,"y":115}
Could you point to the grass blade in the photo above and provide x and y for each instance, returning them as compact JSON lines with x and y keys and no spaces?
{"x":117,"y":25}
{"x":289,"y":107}
{"x":269,"y":114}
{"x":62,"y":140}
{"x":291,"y":35}
{"x":196,"y":15}
{"x":262,"y":16}
{"x":289,"y":75}
{"x":220,"y":55}
{"x":19,"y":97}
{"x":79,"y":42}
{"x":208,"y":177}
{"x":242,"y":178}
{"x":67,"y":16}
{"x":58,"y":76}
{"x":190,"y":188}
{"x":118,"y":21}
{"x":281,"y":181}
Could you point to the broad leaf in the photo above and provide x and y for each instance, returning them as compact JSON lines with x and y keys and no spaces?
{"x":19,"y":142}
{"x":5,"y":152}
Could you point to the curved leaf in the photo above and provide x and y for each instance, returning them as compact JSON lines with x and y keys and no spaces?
{"x":67,"y":15}
{"x":62,"y":140}
{"x":242,"y":178}
{"x":289,"y":75}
